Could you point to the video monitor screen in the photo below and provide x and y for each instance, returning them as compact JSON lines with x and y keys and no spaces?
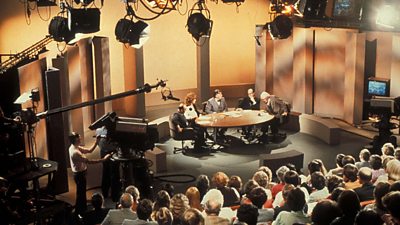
{"x":347,"y":9}
{"x":378,"y":88}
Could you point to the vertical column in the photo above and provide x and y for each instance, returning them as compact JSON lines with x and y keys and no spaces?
{"x":203,"y":69}
{"x":395,"y":67}
{"x":102,"y":74}
{"x":261,"y":59}
{"x":354,"y":77}
{"x":303,"y":63}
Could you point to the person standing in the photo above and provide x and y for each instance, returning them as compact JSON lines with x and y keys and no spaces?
{"x":111,"y":177}
{"x":79,"y":164}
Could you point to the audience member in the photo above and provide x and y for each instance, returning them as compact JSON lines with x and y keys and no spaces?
{"x":193,"y":195}
{"x":364,"y":158}
{"x":366,"y":191}
{"x":163,"y":216}
{"x":336,"y":193}
{"x":268,"y":171}
{"x":98,"y":213}
{"x":291,"y":177}
{"x":296,"y":203}
{"x":392,"y":203}
{"x":216,"y":195}
{"x":280,"y":172}
{"x":179,"y":204}
{"x":350,"y":178}
{"x":117,"y":216}
{"x":319,"y":189}
{"x":192,"y":217}
{"x":134,"y":191}
{"x":258,"y":196}
{"x":387,"y":150}
{"x":212,"y":209}
{"x":376,"y":165}
{"x":393,"y":171}
{"x":325,"y":212}
{"x":236,"y":182}
{"x":247,"y":213}
{"x":368,"y":216}
{"x":203,"y":185}
{"x":349,"y":203}
{"x":395,"y":186}
{"x":381,"y":189}
{"x":348,"y":159}
{"x":262,"y":179}
{"x":283,"y":206}
{"x":162,"y":200}
{"x":333,"y":182}
{"x":143,"y":211}
{"x":397,"y":153}
{"x":168,"y":187}
{"x":231,"y":196}
{"x":339,"y":166}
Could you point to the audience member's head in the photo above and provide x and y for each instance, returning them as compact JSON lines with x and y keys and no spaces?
{"x":381,"y":189}
{"x":202,"y":184}
{"x":249,"y":185}
{"x":386,"y":160}
{"x":285,"y":191}
{"x":393,"y":170}
{"x":324,"y":212}
{"x":291,"y":166}
{"x":247,"y":213}
{"x":296,"y":200}
{"x":368,"y":216}
{"x":316,"y":165}
{"x":339,"y":158}
{"x":375,"y":161}
{"x":162,"y":200}
{"x":333,"y":182}
{"x":219,"y":179}
{"x":292,"y":177}
{"x":350,"y":172}
{"x":266,"y":170}
{"x":126,"y":200}
{"x":144,"y":209}
{"x":364,"y":155}
{"x":261,"y":178}
{"x":395,"y":186}
{"x":348,"y":159}
{"x":392,"y":203}
{"x":349,"y":203}
{"x":179,"y":204}
{"x":365,"y":175}
{"x":280,"y":172}
{"x":169,"y":188}
{"x":212,"y":207}
{"x":215,"y":195}
{"x":192,"y":217}
{"x":193,"y":195}
{"x":318,"y":180}
{"x":397,"y":153}
{"x":131,"y":189}
{"x":235,"y":182}
{"x":164,"y":216}
{"x":258,"y":196}
{"x":97,"y":200}
{"x":336,"y":193}
{"x":387,"y":149}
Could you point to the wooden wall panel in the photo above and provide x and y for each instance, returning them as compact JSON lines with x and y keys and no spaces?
{"x":283,"y":69}
{"x":203,"y":69}
{"x":395,"y":68}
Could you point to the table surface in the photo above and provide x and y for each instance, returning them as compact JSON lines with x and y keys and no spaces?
{"x":238,"y":118}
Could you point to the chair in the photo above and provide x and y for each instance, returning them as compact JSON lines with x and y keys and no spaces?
{"x":203,"y":111}
{"x":186,"y":135}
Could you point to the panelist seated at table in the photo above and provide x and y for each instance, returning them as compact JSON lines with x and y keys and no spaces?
{"x":182,"y":128}
{"x":250,"y":101}
{"x":217,"y":104}
{"x":191,"y":112}
{"x":276,"y":107}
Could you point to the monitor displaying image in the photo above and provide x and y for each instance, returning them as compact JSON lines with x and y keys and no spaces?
{"x":378,"y":87}
{"x":347,"y":9}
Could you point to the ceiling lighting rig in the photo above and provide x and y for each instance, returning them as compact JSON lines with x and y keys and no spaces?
{"x":199,"y":22}
{"x":156,"y":7}
{"x":281,"y":24}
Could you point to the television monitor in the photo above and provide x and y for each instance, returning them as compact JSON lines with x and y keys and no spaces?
{"x":347,"y":9}
{"x":378,"y":87}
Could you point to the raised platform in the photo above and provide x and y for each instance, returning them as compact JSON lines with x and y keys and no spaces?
{"x":324,"y":129}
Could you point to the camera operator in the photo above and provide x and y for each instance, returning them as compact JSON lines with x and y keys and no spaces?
{"x":79,"y":167}
{"x":111,"y":176}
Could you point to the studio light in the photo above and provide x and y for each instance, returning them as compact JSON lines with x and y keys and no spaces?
{"x":280,"y":28}
{"x":58,"y":29}
{"x":83,"y":2}
{"x":198,"y":25}
{"x":85,"y":20}
{"x":135,"y":34}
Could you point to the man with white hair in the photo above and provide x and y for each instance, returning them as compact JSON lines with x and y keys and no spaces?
{"x":276,"y":107}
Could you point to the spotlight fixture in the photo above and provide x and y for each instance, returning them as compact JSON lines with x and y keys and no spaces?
{"x":83,"y":2}
{"x":167,"y":4}
{"x":85,"y":20}
{"x":58,"y":29}
{"x":280,"y":28}
{"x":199,"y":23}
{"x":134,"y":34}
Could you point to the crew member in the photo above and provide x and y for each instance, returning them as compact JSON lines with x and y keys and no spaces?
{"x":276,"y":107}
{"x":111,"y":176}
{"x":79,"y":163}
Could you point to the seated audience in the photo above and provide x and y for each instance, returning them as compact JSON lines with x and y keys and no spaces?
{"x":296,"y":203}
{"x":387,"y":150}
{"x":350,"y":178}
{"x":339,"y":166}
{"x":366,"y":191}
{"x":212,"y":209}
{"x":333,"y":182}
{"x":291,"y":177}
{"x":117,"y":216}
{"x":163,"y":216}
{"x":162,"y":200}
{"x":336,"y":193}
{"x":168,"y":187}
{"x":258,"y":196}
{"x":393,"y":171}
{"x":392,"y":203}
{"x":216,"y":195}
{"x":318,"y":186}
{"x":246,"y":213}
{"x":283,"y":206}
{"x":179,"y":204}
{"x":236,"y":182}
{"x":192,"y":217}
{"x":314,"y":166}
{"x":397,"y":153}
{"x":368,"y":216}
{"x":193,"y":194}
{"x":98,"y":213}
{"x":134,"y":191}
{"x":262,"y":179}
{"x":143,"y":211}
{"x":395,"y":186}
{"x":364,"y":158}
{"x":220,"y":182}
{"x":280,"y":172}
{"x":381,"y":189}
{"x":325,"y":212}
{"x":349,"y":203}
{"x":268,"y":171}
{"x":376,"y":165}
{"x":203,"y":185}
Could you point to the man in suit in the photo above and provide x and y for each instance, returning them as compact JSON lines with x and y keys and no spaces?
{"x":250,"y":101}
{"x":217,"y":104}
{"x":117,"y":216}
{"x":366,"y":191}
{"x":144,"y":209}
